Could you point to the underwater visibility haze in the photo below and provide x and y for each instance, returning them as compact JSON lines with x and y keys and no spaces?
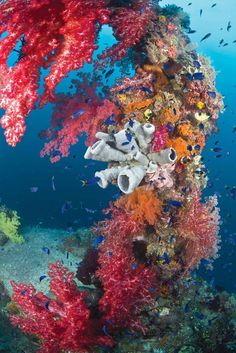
{"x":117,"y":186}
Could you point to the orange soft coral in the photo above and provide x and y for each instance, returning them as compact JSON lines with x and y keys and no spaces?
{"x":170,"y":116}
{"x":143,"y":205}
{"x":185,"y":130}
{"x":161,"y":78}
{"x":180,"y":146}
{"x":191,"y":135}
{"x":137,"y":105}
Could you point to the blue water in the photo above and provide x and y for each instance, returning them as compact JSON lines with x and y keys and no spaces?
{"x":22,"y":168}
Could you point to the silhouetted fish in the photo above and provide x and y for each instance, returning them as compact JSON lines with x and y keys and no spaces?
{"x":205,"y":37}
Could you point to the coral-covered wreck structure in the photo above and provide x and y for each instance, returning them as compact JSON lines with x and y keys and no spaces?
{"x":151,"y":130}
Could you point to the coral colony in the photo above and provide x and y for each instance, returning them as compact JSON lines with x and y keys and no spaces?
{"x":151,"y":129}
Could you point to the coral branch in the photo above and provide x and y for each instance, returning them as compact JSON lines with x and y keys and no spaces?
{"x":63,"y":323}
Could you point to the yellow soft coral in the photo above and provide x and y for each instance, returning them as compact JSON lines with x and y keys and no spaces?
{"x":143,"y":204}
{"x":9,"y":225}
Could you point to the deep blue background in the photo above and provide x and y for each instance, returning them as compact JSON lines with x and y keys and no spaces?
{"x":22,"y":168}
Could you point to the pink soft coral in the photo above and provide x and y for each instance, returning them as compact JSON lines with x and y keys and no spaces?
{"x":198,"y":225}
{"x":160,"y":139}
{"x":62,"y":323}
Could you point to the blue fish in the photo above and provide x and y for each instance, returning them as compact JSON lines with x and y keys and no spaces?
{"x":42,"y":277}
{"x":127,"y":89}
{"x":47,"y":304}
{"x":146,"y":90}
{"x":129,"y":136}
{"x":110,"y":121}
{"x":78,"y":113}
{"x":125,"y":143}
{"x":201,"y":126}
{"x":93,"y":181}
{"x":167,"y":66}
{"x":166,"y":258}
{"x":111,"y":322}
{"x":197,"y":64}
{"x":97,"y":241}
{"x":212,"y":94}
{"x":198,"y":76}
{"x":131,"y":123}
{"x":189,"y":77}
{"x":142,"y":10}
{"x":134,"y":266}
{"x":175,"y":203}
{"x":104,"y":329}
{"x":46,"y":250}
{"x":151,"y":290}
{"x":170,"y":127}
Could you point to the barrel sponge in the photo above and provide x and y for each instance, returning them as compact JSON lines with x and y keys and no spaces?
{"x":9,"y":225}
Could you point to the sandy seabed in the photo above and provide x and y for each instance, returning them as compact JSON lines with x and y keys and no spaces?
{"x":27,"y":262}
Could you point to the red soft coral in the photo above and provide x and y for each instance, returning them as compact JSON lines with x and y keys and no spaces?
{"x":128,"y":286}
{"x":130,"y":25}
{"x":61,"y":33}
{"x":198,"y":225}
{"x":62,"y":323}
{"x":74,"y":115}
{"x":55,"y":34}
{"x":120,"y":223}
